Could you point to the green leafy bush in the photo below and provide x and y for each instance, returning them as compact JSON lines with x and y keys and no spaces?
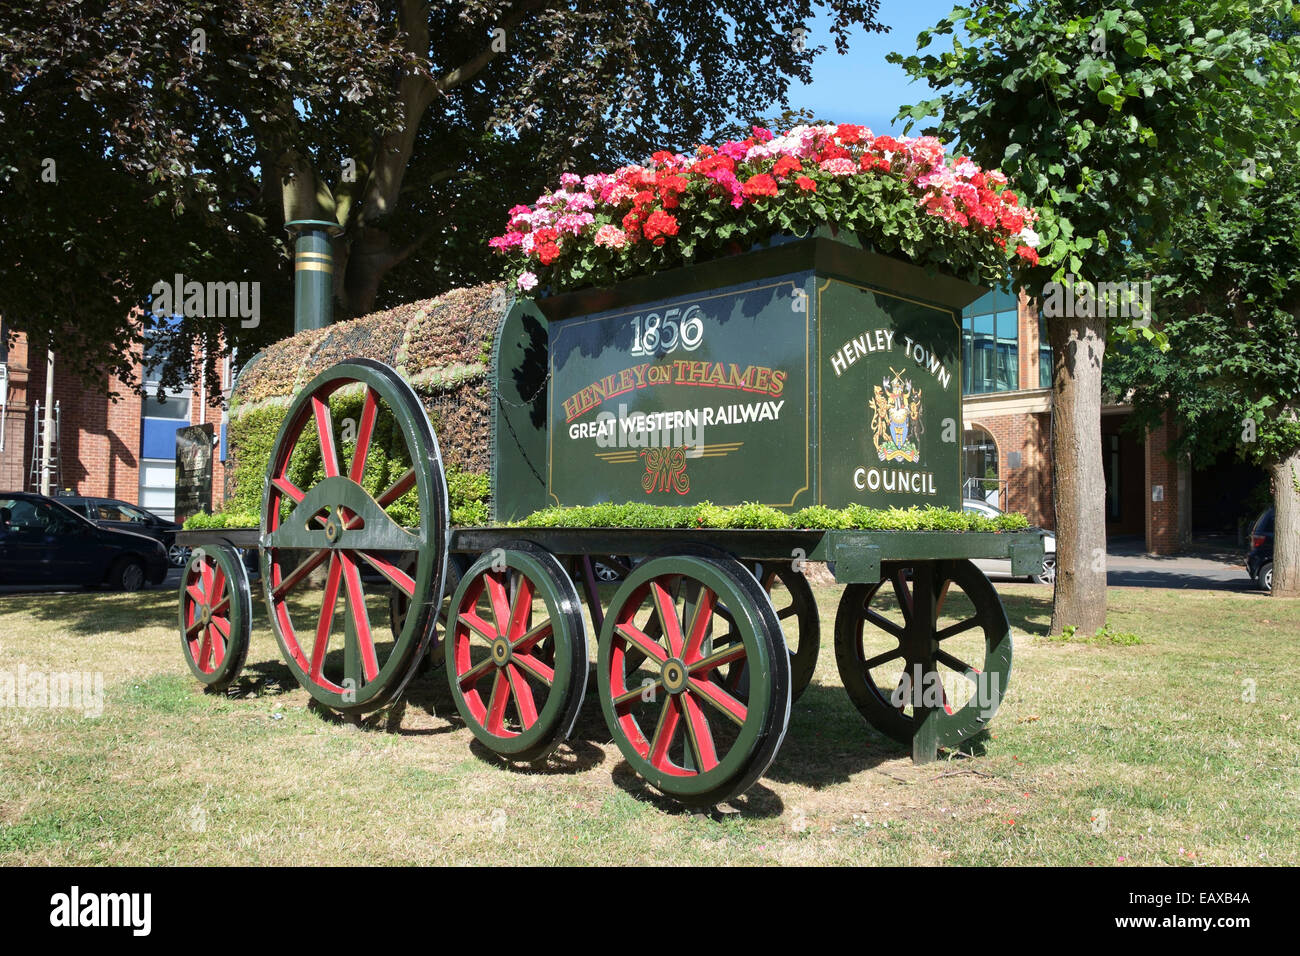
{"x":817,"y":517}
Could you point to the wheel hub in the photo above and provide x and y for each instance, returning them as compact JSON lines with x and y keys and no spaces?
{"x":333,"y":529}
{"x":501,"y":652}
{"x":675,"y":676}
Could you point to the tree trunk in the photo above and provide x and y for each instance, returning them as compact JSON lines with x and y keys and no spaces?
{"x":1286,"y":526}
{"x":1078,"y":482}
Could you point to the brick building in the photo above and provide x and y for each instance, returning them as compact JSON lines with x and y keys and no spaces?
{"x":123,"y":449}
{"x":1007,"y":407}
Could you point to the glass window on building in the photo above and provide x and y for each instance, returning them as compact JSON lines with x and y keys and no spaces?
{"x":160,"y":417}
{"x":980,"y":466}
{"x":991,"y":344}
{"x":1044,"y":355}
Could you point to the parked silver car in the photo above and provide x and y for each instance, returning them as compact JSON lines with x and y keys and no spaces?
{"x":1003,"y":565}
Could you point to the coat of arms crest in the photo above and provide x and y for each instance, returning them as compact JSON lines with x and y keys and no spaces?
{"x":896,"y":419}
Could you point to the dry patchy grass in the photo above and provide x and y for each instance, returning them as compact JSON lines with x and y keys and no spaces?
{"x":1101,"y":754}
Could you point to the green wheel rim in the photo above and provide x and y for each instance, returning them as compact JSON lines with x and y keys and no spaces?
{"x":518,"y":679}
{"x":665,"y":694}
{"x":215,"y":615}
{"x":340,"y":527}
{"x":873,"y":650}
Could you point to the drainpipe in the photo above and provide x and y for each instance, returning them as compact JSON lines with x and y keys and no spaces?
{"x":47,"y":445}
{"x":313,"y":272}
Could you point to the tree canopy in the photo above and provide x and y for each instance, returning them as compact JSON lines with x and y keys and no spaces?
{"x":144,"y":139}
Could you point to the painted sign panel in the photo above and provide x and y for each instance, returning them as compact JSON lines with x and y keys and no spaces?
{"x":686,"y":399}
{"x":193,"y":470}
{"x":890,"y":398}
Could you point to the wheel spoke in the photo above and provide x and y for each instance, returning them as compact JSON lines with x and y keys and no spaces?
{"x":720,"y":656}
{"x":536,"y":668}
{"x":219,"y":644}
{"x":499,"y":600}
{"x":476,"y":672}
{"x":884,"y":658}
{"x":699,"y":734}
{"x":329,"y":454}
{"x":942,"y":596}
{"x":701,"y":623}
{"x":478,"y":625}
{"x":396,"y":576}
{"x":668,"y":621}
{"x":642,"y":642}
{"x":196,"y":595}
{"x":961,"y":667}
{"x":955,"y":629}
{"x":364,"y":431}
{"x":538,"y":633}
{"x":496,"y":714}
{"x":326,"y":622}
{"x":522,"y":607}
{"x":360,"y":619}
{"x":669,"y":718}
{"x":205,"y":650}
{"x":719,"y":698}
{"x":784,"y":613}
{"x":884,"y":623}
{"x":525,"y":705}
{"x":653,"y":688}
{"x":289,"y":488}
{"x":218,"y":584}
{"x":300,"y":572}
{"x":398,"y":488}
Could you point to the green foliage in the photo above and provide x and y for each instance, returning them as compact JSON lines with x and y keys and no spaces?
{"x":708,"y":515}
{"x":1105,"y":635}
{"x":253,"y":435}
{"x":1113,"y":117}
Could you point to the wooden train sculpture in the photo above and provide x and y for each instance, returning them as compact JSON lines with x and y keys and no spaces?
{"x":807,"y":373}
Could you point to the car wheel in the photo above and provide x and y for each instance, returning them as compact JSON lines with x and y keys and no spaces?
{"x":605,"y":573}
{"x":178,"y":555}
{"x":1265,"y":576}
{"x":128,"y":575}
{"x":1048,"y":576}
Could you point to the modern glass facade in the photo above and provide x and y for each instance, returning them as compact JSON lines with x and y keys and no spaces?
{"x":990,"y":341}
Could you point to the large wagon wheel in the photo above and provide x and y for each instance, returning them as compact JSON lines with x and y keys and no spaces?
{"x":216,"y":612}
{"x":384,"y":510}
{"x":883,"y":642}
{"x":664,"y":688}
{"x":793,"y":600}
{"x":517,"y":670}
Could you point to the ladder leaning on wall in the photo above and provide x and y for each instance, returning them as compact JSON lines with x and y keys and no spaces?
{"x":38,"y":442}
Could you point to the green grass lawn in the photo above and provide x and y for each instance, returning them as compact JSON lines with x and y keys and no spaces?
{"x":1102,"y":753}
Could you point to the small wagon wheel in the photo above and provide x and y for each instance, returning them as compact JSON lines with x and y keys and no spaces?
{"x":517,"y":670}
{"x":382,"y":511}
{"x":216,"y":613}
{"x":882,"y":642}
{"x":792,"y":598}
{"x":663,"y":681}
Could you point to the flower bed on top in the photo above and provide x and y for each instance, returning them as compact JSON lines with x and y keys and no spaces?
{"x":899,"y":196}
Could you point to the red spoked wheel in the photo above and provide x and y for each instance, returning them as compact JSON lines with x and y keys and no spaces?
{"x":516,"y":652}
{"x":671,"y":693}
{"x":355,"y":494}
{"x":887,"y":647}
{"x":215,"y":615}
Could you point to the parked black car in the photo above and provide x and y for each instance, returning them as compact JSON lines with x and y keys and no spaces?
{"x":1259,"y":562}
{"x":42,"y":541}
{"x":123,"y":516}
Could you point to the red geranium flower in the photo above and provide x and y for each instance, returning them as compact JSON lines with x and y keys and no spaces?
{"x":786,"y":165}
{"x":1029,"y":255}
{"x":760,"y":185}
{"x":806,"y":184}
{"x":658,"y":226}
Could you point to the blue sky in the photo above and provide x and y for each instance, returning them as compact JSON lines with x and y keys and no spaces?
{"x":860,"y":87}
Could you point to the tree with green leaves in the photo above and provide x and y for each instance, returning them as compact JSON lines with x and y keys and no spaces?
{"x":1115,"y":117}
{"x":1230,"y":303}
{"x":142,"y":138}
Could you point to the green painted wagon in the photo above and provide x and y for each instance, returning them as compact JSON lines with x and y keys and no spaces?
{"x":809,"y":373}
